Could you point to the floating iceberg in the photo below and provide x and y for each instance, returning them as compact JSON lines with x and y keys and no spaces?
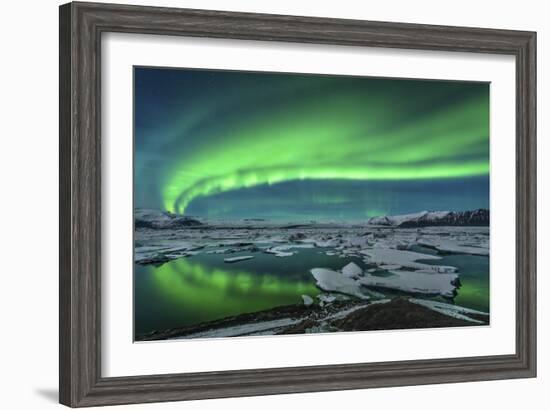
{"x":237,"y":259}
{"x":386,"y":256}
{"x":282,"y":250}
{"x":332,"y":281}
{"x":351,"y":270}
{"x":307,"y":300}
{"x":451,"y":246}
{"x":429,"y":283}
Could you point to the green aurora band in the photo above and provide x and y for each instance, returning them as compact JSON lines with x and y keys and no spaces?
{"x":326,"y":128}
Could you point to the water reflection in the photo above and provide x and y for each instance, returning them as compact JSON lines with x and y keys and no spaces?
{"x":189,"y":291}
{"x":203,"y":288}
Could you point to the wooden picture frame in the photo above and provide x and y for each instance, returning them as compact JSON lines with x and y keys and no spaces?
{"x":81,"y":27}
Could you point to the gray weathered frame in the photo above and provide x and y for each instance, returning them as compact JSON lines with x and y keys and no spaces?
{"x":81,"y":26}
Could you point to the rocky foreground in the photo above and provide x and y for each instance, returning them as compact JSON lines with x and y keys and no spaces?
{"x":344,"y":315}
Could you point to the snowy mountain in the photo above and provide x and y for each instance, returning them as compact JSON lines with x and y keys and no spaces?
{"x":478,"y":217}
{"x":154,"y":219}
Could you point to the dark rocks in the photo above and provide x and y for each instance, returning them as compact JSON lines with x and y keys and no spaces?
{"x":290,"y":311}
{"x":397,"y":314}
{"x":157,"y":260}
{"x":154,"y":219}
{"x":140,"y":224}
{"x":298,"y":236}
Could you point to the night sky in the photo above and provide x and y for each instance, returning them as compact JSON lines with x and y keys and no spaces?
{"x":224,"y":144}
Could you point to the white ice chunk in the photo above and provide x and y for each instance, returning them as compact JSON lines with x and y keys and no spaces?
{"x":452,"y":246}
{"x":282,"y":250}
{"x":237,"y":259}
{"x":323,"y":297}
{"x":307,"y":300}
{"x":283,"y":254}
{"x":385,"y":256}
{"x":326,"y":243}
{"x":351,"y":270}
{"x":359,"y":241}
{"x":415,"y":282}
{"x":332,"y":281}
{"x":219,"y":251}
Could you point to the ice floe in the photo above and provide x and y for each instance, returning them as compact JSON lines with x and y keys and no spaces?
{"x":351,"y":270}
{"x":326,"y":298}
{"x":452,"y":246}
{"x":385,"y":256}
{"x":332,"y":281}
{"x":283,"y":250}
{"x":308,"y":300}
{"x":428,"y":283}
{"x":237,"y":259}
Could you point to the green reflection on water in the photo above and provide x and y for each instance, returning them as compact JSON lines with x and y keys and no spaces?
{"x":189,"y":291}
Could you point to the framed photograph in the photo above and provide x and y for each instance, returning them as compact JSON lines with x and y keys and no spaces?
{"x":262,"y":204}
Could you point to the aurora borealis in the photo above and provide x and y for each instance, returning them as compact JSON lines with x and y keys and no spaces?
{"x":238,"y":144}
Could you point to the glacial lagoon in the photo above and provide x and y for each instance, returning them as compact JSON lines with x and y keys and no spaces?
{"x":197,"y":284}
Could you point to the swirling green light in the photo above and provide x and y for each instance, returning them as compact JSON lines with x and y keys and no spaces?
{"x":363,"y":133}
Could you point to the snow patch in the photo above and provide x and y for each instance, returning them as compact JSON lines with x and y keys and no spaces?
{"x":307,"y":300}
{"x":457,"y":312}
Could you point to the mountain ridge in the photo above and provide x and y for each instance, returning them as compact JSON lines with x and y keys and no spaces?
{"x":477,"y":217}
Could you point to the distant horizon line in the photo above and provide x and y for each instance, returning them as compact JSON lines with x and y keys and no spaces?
{"x":266,"y":218}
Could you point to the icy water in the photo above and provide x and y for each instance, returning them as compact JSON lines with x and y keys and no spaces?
{"x":474,"y":276}
{"x":203,"y":287}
